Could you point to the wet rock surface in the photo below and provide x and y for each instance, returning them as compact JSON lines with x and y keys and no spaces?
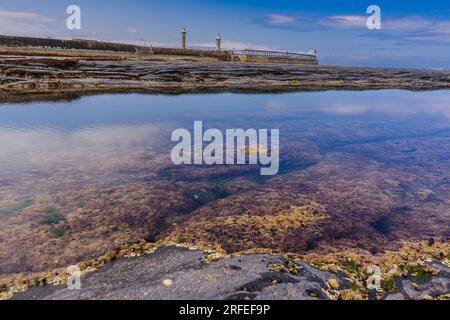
{"x":178,"y":274}
{"x":422,"y":288}
{"x":35,"y":75}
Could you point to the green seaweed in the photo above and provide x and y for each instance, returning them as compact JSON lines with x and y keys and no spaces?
{"x":51,"y":210}
{"x":419,"y":273}
{"x":57,"y":232}
{"x":351,"y":266}
{"x":53,"y":219}
{"x":16,"y":207}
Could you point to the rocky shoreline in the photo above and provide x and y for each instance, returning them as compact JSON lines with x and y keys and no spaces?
{"x":40,"y":75}
{"x":186,"y":274}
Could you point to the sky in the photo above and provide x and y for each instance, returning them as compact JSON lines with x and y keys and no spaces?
{"x":414,"y":33}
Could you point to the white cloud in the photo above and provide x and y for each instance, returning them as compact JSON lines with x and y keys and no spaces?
{"x":416,"y":28}
{"x":237,"y":45}
{"x":275,"y":18}
{"x":4,"y":14}
{"x":400,"y":24}
{"x":346,"y":21}
{"x":147,"y":43}
{"x":408,"y":23}
{"x":24,"y":23}
{"x":132,"y":30}
{"x":408,"y":28}
{"x":226,"y":45}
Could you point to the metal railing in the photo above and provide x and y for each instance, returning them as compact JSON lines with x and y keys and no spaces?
{"x":277,"y":54}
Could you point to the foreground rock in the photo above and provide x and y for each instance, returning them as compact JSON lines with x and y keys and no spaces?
{"x":176,"y":273}
{"x":44,"y":75}
{"x":425,"y":288}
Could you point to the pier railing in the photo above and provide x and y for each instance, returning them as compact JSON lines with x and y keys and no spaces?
{"x":277,"y":54}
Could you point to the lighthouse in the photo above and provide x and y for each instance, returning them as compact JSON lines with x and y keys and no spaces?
{"x":183,"y":38}
{"x":218,"y":42}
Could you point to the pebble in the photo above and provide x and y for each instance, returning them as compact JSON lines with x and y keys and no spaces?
{"x":168,"y":282}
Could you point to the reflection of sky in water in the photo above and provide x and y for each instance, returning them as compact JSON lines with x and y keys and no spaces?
{"x":47,"y":132}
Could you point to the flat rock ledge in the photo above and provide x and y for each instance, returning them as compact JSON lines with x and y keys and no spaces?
{"x":172,"y":273}
{"x":47,"y":75}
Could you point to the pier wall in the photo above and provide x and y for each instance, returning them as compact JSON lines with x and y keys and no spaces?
{"x":82,"y":44}
{"x":255,"y":56}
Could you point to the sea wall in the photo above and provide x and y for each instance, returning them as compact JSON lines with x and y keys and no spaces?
{"x":82,"y":44}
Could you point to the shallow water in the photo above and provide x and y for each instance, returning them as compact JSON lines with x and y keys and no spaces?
{"x":378,"y":161}
{"x":42,"y":135}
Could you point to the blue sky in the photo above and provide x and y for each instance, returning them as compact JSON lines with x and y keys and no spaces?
{"x":414,"y":33}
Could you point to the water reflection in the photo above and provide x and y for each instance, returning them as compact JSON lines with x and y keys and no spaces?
{"x":377,"y":161}
{"x":36,"y":134}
